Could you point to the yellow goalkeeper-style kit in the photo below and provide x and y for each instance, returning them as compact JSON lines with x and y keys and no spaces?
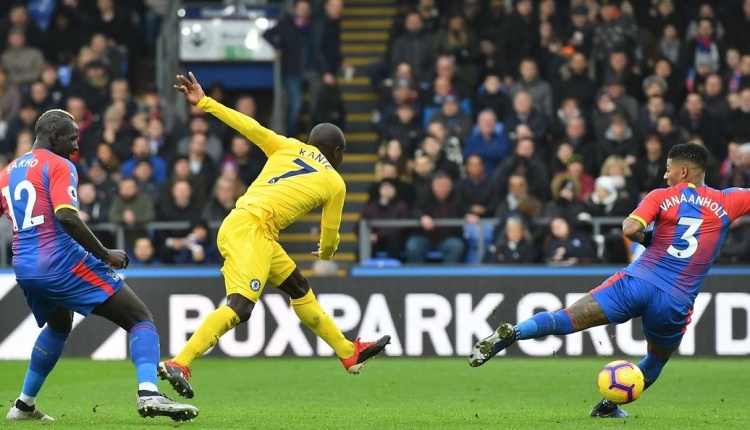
{"x":296,"y":179}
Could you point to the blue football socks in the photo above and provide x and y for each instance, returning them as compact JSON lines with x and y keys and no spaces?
{"x":651,"y":366}
{"x":47,"y":350}
{"x":144,"y":352}
{"x":545,"y":324}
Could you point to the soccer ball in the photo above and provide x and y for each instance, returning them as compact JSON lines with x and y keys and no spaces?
{"x":621,"y":382}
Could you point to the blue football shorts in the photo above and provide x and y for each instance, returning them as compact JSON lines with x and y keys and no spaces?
{"x":87,"y":285}
{"x":664,"y":318}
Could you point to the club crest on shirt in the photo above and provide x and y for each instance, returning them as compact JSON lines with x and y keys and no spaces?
{"x":255,"y":285}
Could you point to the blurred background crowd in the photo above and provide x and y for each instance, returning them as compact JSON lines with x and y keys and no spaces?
{"x":538,"y":115}
{"x":543,"y":114}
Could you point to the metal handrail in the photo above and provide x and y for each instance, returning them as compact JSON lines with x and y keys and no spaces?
{"x":366,"y":226}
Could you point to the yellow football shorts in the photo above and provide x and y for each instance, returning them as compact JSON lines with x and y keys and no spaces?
{"x":251,"y":256}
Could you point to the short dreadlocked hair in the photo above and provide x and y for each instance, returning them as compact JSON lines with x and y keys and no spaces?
{"x":53,"y":120}
{"x":690,"y":153}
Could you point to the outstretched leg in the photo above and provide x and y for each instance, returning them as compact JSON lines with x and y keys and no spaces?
{"x":353,"y":355}
{"x":47,"y":350}
{"x":126,"y":310}
{"x":583,"y":314}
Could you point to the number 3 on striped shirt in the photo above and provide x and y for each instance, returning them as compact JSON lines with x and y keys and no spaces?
{"x":689,"y":237}
{"x":305,"y":169}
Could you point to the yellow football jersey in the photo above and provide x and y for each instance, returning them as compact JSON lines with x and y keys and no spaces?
{"x":296,"y":179}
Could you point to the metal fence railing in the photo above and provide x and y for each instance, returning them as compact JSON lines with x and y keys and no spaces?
{"x":366,"y":226}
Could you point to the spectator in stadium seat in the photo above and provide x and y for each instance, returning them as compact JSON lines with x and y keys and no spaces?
{"x":414,"y":47}
{"x":523,"y":161}
{"x":737,"y":123}
{"x":131,"y":210}
{"x":113,"y":57}
{"x":616,"y":88}
{"x":609,"y":200}
{"x":694,"y":119}
{"x":488,"y":140}
{"x":201,"y":163}
{"x":141,"y":151}
{"x":97,"y":174}
{"x":159,"y":143}
{"x":64,"y":37}
{"x":619,"y":139}
{"x":90,"y":208}
{"x":114,"y":22}
{"x":180,"y":171}
{"x":671,"y":134}
{"x":109,"y":159}
{"x":406,"y":128}
{"x":524,"y":112}
{"x":655,"y":107}
{"x":290,"y":38}
{"x":198,"y":247}
{"x":737,"y":20}
{"x":119,"y":92}
{"x":24,"y":142}
{"x":736,"y":246}
{"x":603,"y":112}
{"x":10,"y":96}
{"x":616,"y":167}
{"x":325,"y":50}
{"x":518,"y":201}
{"x":18,"y":17}
{"x":650,"y":169}
{"x":387,"y":205}
{"x":404,"y":191}
{"x":222,"y":200}
{"x":112,"y":130}
{"x":143,"y":253}
{"x":491,"y":96}
{"x":563,"y":246}
{"x":529,"y":82}
{"x":513,"y":246}
{"x":579,"y":34}
{"x":440,"y":202}
{"x":39,"y":96}
{"x":446,"y":68}
{"x":704,"y":48}
{"x":434,"y":149}
{"x":475,"y":189}
{"x":451,"y":144}
{"x":577,"y":81}
{"x":670,"y":45}
{"x":566,"y":201}
{"x":569,"y":110}
{"x":144,"y":176}
{"x":614,"y":32}
{"x":214,"y":147}
{"x":393,"y":152}
{"x":23,"y":62}
{"x":27,"y":116}
{"x":248,"y":158}
{"x":441,"y":90}
{"x":92,"y":86}
{"x":715,"y":100}
{"x":458,"y":43}
{"x":431,"y":15}
{"x":180,"y":206}
{"x":519,"y":38}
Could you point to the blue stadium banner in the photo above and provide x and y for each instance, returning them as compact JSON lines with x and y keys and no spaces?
{"x":426,"y":316}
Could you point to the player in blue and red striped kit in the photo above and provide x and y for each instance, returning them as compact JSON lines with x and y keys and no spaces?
{"x":690,"y":222}
{"x":63,"y":268}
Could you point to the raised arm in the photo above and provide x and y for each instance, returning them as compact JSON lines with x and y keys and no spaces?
{"x":633,"y":227}
{"x":265,"y":138}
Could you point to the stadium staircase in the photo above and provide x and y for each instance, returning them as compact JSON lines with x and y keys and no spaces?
{"x":365,"y":26}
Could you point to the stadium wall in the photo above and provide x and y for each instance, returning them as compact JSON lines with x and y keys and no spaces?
{"x":435,"y":311}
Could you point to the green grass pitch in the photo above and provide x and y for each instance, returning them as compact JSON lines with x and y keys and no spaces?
{"x":392,"y":393}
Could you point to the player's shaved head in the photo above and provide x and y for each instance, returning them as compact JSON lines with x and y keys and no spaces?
{"x":329,"y":139}
{"x":690,"y":153}
{"x":53,"y":120}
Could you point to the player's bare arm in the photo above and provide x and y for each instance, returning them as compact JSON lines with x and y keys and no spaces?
{"x":633,"y":230}
{"x":73,"y":225}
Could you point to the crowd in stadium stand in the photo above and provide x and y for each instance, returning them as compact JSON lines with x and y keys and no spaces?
{"x":536,"y":114}
{"x":543,"y":114}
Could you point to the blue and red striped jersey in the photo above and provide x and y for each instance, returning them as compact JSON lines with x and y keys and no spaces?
{"x":689,"y":227}
{"x":33,"y":187}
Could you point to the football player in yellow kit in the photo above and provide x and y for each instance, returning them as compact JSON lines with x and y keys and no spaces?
{"x":297,"y":178}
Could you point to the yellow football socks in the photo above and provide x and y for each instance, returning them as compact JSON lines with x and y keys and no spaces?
{"x":213,"y":327}
{"x":308,"y":311}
